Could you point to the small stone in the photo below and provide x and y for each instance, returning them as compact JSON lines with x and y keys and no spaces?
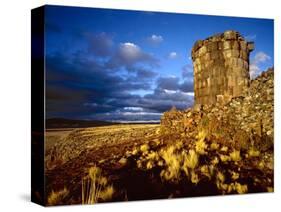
{"x":123,"y":161}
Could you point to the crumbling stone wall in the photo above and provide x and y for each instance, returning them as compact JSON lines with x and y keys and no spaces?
{"x":221,"y":67}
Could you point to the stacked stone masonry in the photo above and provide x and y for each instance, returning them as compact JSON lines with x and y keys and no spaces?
{"x":221,"y":67}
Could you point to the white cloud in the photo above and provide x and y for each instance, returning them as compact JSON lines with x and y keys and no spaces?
{"x":140,"y":113}
{"x":130,"y":50}
{"x":169,"y":91}
{"x":173,"y":55}
{"x":188,"y":93}
{"x":129,"y":54}
{"x":133,"y":108}
{"x":155,"y":39}
{"x":259,"y":59}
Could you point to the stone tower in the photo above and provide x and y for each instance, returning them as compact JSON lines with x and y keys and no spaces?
{"x":221,"y":67}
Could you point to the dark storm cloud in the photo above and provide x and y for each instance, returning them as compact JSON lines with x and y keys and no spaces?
{"x":78,"y":80}
{"x":62,"y":93}
{"x":101,"y":44}
{"x":145,"y":74}
{"x":169,"y":83}
{"x":174,"y":84}
{"x":162,"y":100}
{"x":187,"y":71}
{"x":147,"y":108}
{"x":99,"y":81}
{"x":187,"y":85}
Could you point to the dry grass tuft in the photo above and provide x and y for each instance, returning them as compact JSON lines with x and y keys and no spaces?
{"x":95,"y":187}
{"x":57,"y":197}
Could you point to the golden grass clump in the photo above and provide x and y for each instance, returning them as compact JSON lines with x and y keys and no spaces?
{"x":225,"y":158}
{"x":253,"y":152}
{"x":205,"y":171}
{"x":173,"y":164}
{"x":200,"y":145}
{"x":191,"y":160}
{"x":178,"y":161}
{"x":214,"y":146}
{"x":215,"y":161}
{"x":241,"y":189}
{"x":224,"y":149}
{"x":234,"y":175}
{"x":235,"y":155}
{"x":95,"y":187}
{"x":144,"y":148}
{"x":194,"y":177}
{"x":56,"y":198}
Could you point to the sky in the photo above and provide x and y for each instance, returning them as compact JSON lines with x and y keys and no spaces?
{"x":131,"y":66}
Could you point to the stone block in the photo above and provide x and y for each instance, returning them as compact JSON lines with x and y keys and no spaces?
{"x":203,"y":84}
{"x":251,"y":46}
{"x":202,"y":51}
{"x":215,"y":55}
{"x":227,"y":54}
{"x":243,"y":45}
{"x":230,"y":35}
{"x":240,"y":81}
{"x":240,"y":62}
{"x":220,"y":98}
{"x":235,"y":45}
{"x":247,"y":81}
{"x":235,"y":53}
{"x":197,"y":61}
{"x":220,"y":80}
{"x":199,"y":68}
{"x":244,"y":73}
{"x":237,"y":90}
{"x":208,"y":81}
{"x":212,"y":46}
{"x":196,"y":54}
{"x":215,"y":38}
{"x":226,"y":45}
{"x":234,"y":62}
{"x":243,"y":55}
{"x":245,"y":65}
{"x":230,"y":81}
{"x":230,"y":90}
{"x":207,"y":56}
{"x":197,"y":45}
{"x":220,"y":45}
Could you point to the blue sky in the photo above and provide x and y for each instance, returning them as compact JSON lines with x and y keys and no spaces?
{"x":120,"y":65}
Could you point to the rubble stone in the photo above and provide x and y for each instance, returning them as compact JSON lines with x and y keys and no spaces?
{"x":242,"y":121}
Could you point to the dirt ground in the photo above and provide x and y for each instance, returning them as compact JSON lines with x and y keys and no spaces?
{"x":71,"y":152}
{"x":142,"y":162}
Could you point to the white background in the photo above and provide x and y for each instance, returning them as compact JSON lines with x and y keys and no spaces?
{"x":15,"y":104}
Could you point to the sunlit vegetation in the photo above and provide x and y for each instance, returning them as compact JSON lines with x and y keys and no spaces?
{"x":206,"y":160}
{"x":95,"y":187}
{"x":57,"y":197}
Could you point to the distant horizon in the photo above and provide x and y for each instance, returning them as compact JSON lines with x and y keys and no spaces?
{"x":108,"y":121}
{"x":131,"y":66}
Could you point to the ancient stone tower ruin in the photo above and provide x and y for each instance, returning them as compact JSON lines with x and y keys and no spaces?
{"x":221,"y":67}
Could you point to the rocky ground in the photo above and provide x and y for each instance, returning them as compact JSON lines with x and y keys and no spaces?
{"x":205,"y":150}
